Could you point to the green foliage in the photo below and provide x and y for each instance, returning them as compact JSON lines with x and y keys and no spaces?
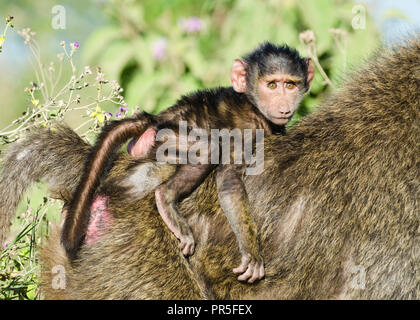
{"x":194,"y":60}
{"x":19,"y":268}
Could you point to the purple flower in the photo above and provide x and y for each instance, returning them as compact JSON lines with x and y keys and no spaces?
{"x":108,"y":114}
{"x":118,"y":115}
{"x":191,"y":24}
{"x":4,"y":245}
{"x":76,"y":44}
{"x":123,"y":109}
{"x":159,"y":49}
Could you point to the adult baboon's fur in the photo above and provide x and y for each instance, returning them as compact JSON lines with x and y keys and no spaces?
{"x":337,"y":206}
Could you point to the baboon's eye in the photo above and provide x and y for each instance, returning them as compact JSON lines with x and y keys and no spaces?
{"x":272,"y":85}
{"x":289,"y":85}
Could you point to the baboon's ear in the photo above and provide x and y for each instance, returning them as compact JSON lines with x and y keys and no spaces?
{"x":238,"y":75}
{"x":311,"y":71}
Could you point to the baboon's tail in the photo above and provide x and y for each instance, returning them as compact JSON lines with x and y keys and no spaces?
{"x":55,"y":155}
{"x":102,"y":155}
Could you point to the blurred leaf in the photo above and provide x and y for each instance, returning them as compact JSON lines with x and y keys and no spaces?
{"x":143,"y":54}
{"x":31,"y":291}
{"x":98,"y":41}
{"x":115,"y":57}
{"x":195,"y":61}
{"x":318,"y":16}
{"x":187,"y":84}
{"x":143,"y":90}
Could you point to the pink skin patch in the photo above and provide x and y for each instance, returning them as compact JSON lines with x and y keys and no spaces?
{"x":139,"y":147}
{"x":100,"y":219}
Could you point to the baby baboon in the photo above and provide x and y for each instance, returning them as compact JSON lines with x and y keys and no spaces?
{"x":268,"y":85}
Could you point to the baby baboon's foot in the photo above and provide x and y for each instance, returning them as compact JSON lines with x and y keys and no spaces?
{"x":187,"y":244}
{"x":251,"y":268}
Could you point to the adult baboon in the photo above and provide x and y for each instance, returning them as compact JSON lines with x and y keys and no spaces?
{"x":336,"y":206}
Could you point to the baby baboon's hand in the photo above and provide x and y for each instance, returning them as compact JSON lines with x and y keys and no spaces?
{"x":251,"y":268}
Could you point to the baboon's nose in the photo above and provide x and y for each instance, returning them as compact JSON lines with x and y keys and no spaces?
{"x":285,"y":112}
